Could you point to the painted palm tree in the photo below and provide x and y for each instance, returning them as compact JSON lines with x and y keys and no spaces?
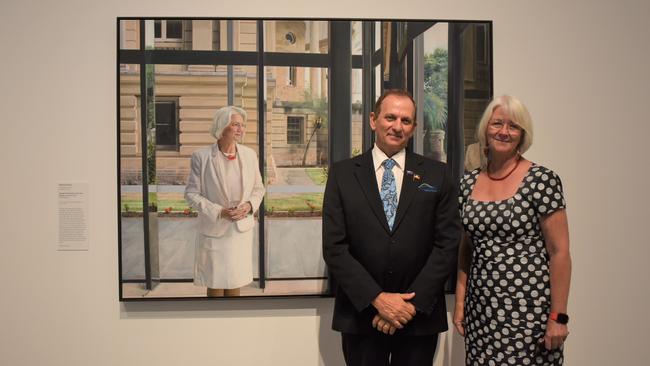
{"x":436,"y":75}
{"x":319,"y":106}
{"x":435,"y":112}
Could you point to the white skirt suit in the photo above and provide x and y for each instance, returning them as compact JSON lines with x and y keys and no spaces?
{"x":224,"y":248}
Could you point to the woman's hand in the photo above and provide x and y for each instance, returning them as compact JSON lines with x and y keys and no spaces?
{"x":227,"y":213}
{"x":237,"y":213}
{"x":459,"y":319}
{"x":556,"y":334}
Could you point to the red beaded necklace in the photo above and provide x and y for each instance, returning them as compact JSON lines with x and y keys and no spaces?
{"x":487,"y":171}
{"x":228,"y":156}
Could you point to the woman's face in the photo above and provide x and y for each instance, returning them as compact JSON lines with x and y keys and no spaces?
{"x":503,"y":134}
{"x":235,"y":130}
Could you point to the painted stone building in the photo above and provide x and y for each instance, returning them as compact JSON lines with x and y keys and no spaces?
{"x":186,"y":96}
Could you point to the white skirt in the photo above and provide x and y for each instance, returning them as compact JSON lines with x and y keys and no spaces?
{"x":225,"y":262}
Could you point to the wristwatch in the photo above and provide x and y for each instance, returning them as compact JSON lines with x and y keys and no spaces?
{"x":560,"y":318}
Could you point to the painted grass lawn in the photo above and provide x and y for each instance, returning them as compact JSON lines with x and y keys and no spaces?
{"x":279,"y":202}
{"x":317,"y":175}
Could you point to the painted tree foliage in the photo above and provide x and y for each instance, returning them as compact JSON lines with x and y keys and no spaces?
{"x":435,"y":94}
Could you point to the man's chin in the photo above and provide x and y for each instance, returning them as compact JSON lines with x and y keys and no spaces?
{"x":391,"y":149}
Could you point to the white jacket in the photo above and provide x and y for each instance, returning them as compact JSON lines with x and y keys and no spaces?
{"x":206,"y":189}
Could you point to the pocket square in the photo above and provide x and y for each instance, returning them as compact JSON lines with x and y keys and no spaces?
{"x":425,"y":187}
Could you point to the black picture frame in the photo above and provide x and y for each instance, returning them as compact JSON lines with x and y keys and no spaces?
{"x":340,"y":63}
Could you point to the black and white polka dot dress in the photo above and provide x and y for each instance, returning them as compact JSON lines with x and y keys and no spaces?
{"x":508,"y":294}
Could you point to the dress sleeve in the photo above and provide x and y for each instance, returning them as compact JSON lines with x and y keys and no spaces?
{"x":463,"y":192}
{"x":194,"y":193}
{"x":548,"y":195}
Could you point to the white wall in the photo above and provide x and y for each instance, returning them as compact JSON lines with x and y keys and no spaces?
{"x":581,"y":66}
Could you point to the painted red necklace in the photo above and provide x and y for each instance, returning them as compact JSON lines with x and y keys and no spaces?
{"x":228,"y":156}
{"x":487,"y":171}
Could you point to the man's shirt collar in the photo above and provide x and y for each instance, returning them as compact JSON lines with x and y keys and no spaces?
{"x":379,"y":156}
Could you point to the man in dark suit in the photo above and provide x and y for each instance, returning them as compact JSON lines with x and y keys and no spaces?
{"x":390,"y":238}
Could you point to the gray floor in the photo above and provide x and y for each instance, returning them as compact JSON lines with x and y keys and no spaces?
{"x":293,"y":248}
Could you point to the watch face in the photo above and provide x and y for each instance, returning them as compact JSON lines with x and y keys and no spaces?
{"x":562,"y":318}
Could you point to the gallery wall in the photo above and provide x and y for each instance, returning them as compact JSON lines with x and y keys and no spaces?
{"x":580,"y":66}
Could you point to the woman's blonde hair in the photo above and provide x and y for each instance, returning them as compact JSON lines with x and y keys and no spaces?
{"x":517,"y":112}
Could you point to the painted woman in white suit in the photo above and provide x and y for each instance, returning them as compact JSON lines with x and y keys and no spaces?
{"x":225,"y":187}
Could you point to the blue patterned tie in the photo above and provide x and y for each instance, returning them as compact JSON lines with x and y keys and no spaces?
{"x":388,"y":192}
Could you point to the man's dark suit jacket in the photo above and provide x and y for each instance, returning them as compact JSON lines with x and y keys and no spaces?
{"x":365,"y":258}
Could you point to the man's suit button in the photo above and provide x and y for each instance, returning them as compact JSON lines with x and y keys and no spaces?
{"x":393,"y":241}
{"x":390,"y":271}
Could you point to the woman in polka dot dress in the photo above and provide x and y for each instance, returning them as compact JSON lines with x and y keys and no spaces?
{"x":514,"y":267}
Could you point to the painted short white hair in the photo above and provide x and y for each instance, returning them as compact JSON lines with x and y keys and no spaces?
{"x":222,"y":119}
{"x":517,"y":112}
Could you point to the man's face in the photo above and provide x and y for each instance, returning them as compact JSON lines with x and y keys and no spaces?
{"x":394,"y":125}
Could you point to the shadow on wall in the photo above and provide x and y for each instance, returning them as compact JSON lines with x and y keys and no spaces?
{"x":329,"y":341}
{"x":451,"y":344}
{"x":450,"y":350}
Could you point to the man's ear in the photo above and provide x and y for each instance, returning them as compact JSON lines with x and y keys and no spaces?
{"x":372,"y":121}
